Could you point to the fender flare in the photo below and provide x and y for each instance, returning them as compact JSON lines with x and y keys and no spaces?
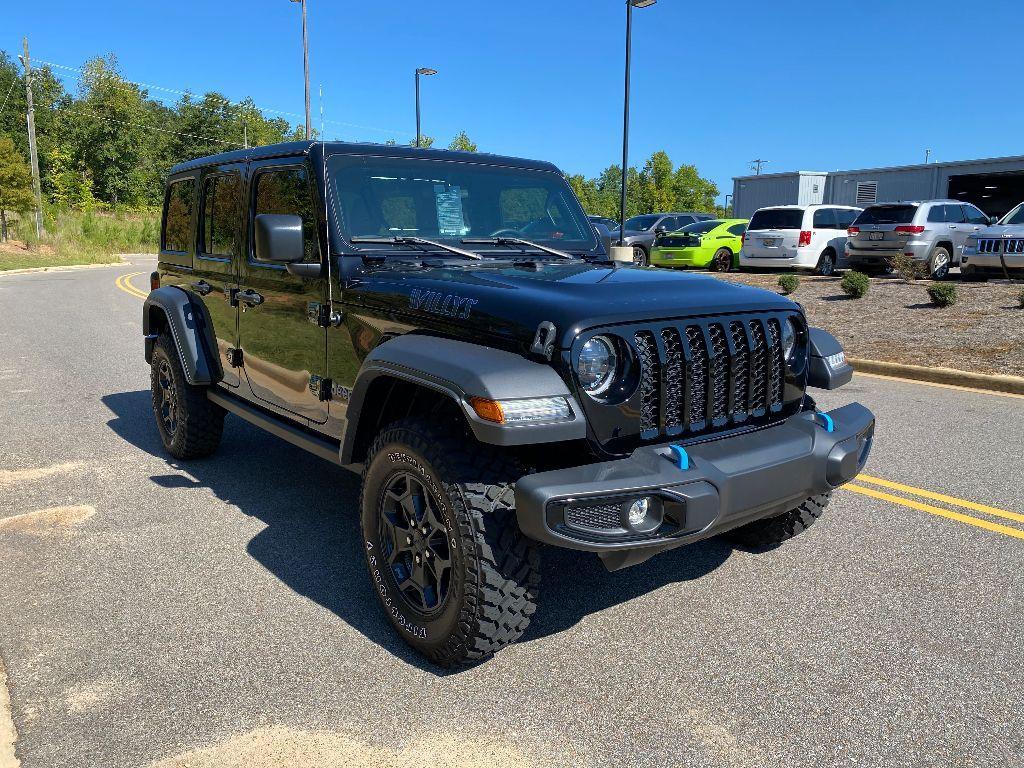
{"x":192,"y":330}
{"x":461,"y":370}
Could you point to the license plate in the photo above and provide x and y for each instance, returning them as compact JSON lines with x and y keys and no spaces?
{"x":770,"y":242}
{"x":876,"y":235}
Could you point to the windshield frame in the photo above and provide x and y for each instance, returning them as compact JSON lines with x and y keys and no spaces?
{"x":341,"y":237}
{"x":1017,"y":210}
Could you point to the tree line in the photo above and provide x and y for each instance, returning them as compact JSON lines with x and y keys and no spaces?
{"x":109,"y":142}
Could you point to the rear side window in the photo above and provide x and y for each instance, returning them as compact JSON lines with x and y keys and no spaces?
{"x":177,"y":233}
{"x":220,"y":215}
{"x":777,"y":218}
{"x":887,"y":214}
{"x":737,"y":229}
{"x":286,"y":191}
{"x":846,"y":217}
{"x":974,"y":215}
{"x":701,"y":227}
{"x":825,"y":218}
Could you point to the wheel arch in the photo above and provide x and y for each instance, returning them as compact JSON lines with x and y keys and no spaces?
{"x":410,"y":373}
{"x":173,"y":309}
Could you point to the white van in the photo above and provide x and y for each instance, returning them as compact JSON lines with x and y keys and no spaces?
{"x":797,"y":236}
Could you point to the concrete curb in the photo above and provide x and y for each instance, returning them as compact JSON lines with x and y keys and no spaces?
{"x":996,"y":383}
{"x":60,"y":268}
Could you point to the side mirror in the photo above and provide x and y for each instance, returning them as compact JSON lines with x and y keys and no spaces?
{"x":278,"y":239}
{"x":605,"y":236}
{"x":660,"y":230}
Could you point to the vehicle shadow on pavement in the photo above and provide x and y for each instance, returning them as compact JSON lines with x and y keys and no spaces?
{"x":312,"y":540}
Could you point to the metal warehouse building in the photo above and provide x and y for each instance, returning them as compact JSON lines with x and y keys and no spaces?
{"x":995,"y":185}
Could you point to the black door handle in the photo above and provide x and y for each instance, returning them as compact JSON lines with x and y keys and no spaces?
{"x":202,"y":287}
{"x":249,"y":297}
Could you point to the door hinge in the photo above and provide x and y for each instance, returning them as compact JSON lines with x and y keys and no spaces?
{"x":321,"y":387}
{"x":234,"y":356}
{"x":321,"y":315}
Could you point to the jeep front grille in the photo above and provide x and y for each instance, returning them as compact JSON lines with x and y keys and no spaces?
{"x":998,"y":245}
{"x":706,"y":374}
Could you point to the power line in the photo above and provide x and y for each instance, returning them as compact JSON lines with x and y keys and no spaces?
{"x":9,"y":92}
{"x":148,"y":127}
{"x":231,"y":104}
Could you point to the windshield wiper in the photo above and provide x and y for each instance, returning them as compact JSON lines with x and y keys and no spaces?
{"x":507,"y":241}
{"x":414,"y":242}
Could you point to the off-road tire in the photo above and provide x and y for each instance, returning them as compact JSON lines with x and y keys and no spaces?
{"x":495,"y":574}
{"x":722,"y":260}
{"x":198,"y":423}
{"x":772,"y":531}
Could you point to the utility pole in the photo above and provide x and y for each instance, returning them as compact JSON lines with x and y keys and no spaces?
{"x":927,"y":156}
{"x":757,"y":164}
{"x":245,"y":134}
{"x":32,"y":151}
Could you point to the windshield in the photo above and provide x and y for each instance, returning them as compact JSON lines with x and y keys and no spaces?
{"x":448,"y":201}
{"x":777,"y":218}
{"x":1016,"y":216}
{"x":701,"y":227}
{"x":640,"y":223}
{"x":887,"y":214}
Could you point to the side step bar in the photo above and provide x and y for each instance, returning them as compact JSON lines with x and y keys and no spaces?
{"x":321,"y":447}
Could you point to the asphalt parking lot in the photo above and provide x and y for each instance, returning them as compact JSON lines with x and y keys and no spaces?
{"x":218,"y":614}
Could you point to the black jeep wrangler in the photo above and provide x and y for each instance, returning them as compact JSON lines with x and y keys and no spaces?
{"x":449,"y":325}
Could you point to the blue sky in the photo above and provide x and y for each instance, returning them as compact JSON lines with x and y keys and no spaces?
{"x":807,"y":86}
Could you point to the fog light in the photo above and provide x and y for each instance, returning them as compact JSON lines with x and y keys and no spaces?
{"x":638,"y":512}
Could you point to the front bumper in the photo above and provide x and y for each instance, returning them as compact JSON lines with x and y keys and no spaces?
{"x":730,"y":481}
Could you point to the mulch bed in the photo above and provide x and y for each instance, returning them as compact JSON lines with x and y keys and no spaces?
{"x":896,"y":322}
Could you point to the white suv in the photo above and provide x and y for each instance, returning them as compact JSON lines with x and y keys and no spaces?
{"x":797,"y":236}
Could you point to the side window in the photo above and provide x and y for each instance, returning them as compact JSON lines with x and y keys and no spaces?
{"x":975,"y":216}
{"x":737,"y":229}
{"x":955,"y":214}
{"x":177,"y":231}
{"x":220,"y":215}
{"x":936,"y":214}
{"x":286,"y":191}
{"x":824,"y":218}
{"x":845,"y":217}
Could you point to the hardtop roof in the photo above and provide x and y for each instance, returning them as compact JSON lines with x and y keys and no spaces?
{"x":291,"y":148}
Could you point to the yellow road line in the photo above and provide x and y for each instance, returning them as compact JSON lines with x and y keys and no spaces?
{"x":123,"y":282}
{"x":976,"y":521}
{"x":941,"y":497}
{"x":943,"y":386}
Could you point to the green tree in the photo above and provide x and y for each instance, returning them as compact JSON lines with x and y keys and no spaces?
{"x":15,"y":183}
{"x":70,"y":186}
{"x":463,"y":143}
{"x":425,"y":142}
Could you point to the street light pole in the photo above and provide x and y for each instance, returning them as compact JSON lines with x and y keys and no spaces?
{"x":630,"y":4}
{"x":426,"y":72}
{"x":305,"y":66}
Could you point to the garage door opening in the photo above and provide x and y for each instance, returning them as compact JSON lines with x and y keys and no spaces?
{"x":994,"y":193}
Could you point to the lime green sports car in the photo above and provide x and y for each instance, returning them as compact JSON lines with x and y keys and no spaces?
{"x":715,"y":244}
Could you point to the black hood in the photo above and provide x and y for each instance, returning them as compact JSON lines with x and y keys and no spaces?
{"x":510,"y":301}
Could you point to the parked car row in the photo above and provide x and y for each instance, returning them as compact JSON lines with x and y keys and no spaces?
{"x":938,"y":234}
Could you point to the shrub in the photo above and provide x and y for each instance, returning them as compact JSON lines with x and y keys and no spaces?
{"x":789,"y":283}
{"x":908,"y":268}
{"x":943,"y":294}
{"x":855,"y":284}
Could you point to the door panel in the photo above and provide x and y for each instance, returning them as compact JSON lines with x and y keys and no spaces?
{"x":284,"y":349}
{"x":216,"y":263}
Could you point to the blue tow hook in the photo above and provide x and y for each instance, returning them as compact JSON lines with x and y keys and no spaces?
{"x":829,"y":425}
{"x":682,"y":458}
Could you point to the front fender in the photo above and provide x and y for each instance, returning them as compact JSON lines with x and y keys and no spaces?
{"x":461,"y":370}
{"x":190,"y":327}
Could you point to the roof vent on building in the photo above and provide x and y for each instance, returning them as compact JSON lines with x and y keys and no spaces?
{"x":867,"y":192}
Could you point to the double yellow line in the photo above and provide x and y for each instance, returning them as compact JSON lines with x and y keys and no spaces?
{"x":951,"y":501}
{"x":124,"y":283}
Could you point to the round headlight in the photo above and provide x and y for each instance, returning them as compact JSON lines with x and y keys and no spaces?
{"x":789,"y":337}
{"x":596,"y":365}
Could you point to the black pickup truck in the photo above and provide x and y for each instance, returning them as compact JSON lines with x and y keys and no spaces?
{"x":448,"y":324}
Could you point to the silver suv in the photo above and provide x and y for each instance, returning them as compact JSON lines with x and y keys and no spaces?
{"x":933,"y":232}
